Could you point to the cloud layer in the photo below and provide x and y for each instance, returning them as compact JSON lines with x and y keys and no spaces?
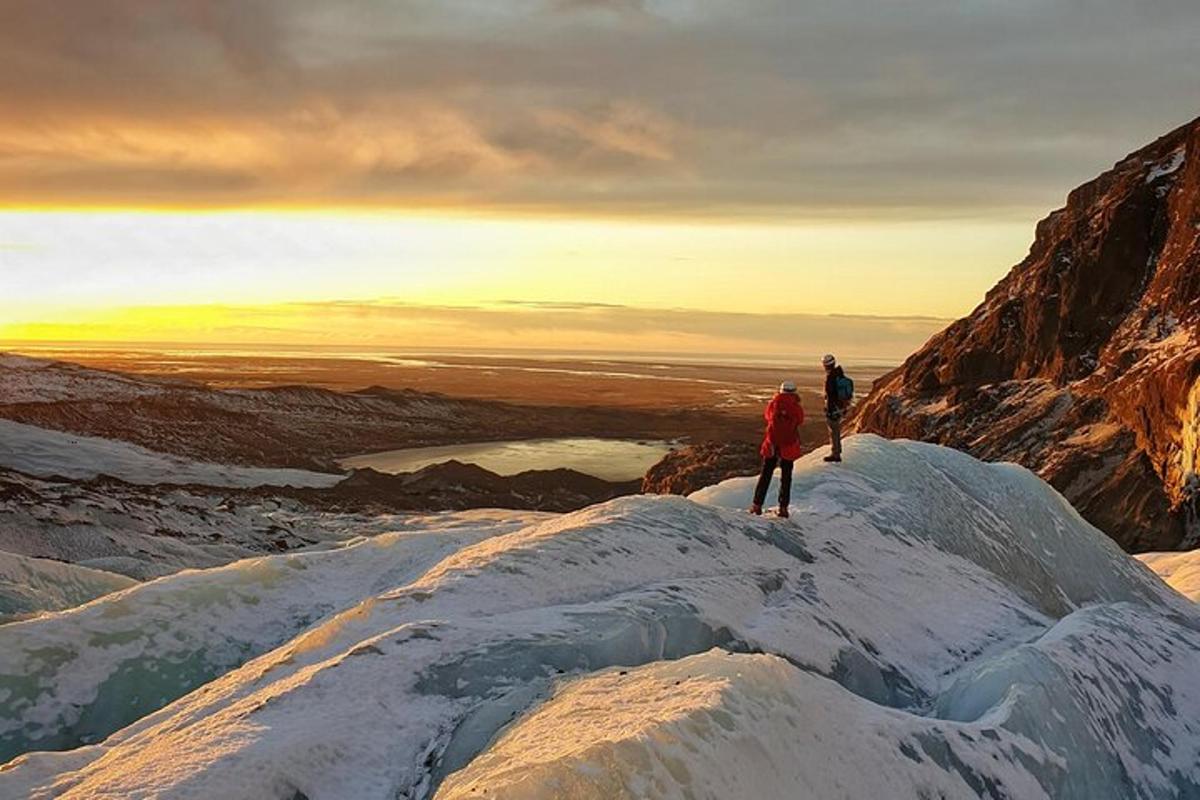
{"x":610,"y":107}
{"x":516,"y":324}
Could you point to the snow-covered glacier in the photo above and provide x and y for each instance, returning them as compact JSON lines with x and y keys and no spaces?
{"x":925,"y":625}
{"x":29,"y":586}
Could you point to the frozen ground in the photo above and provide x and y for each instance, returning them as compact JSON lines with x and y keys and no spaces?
{"x":34,"y":380}
{"x":50,"y":453}
{"x":925,"y":625}
{"x":147,"y":532}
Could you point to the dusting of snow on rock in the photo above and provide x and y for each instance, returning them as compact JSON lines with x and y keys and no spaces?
{"x":924,"y":625}
{"x":146,"y":532}
{"x":48,"y":453}
{"x":1168,"y":167}
{"x":1104,"y":314}
{"x":34,"y":380}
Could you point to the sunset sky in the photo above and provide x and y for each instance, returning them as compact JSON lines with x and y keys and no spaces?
{"x":662,"y":174}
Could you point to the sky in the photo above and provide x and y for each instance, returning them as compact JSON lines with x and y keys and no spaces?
{"x":659,"y":174}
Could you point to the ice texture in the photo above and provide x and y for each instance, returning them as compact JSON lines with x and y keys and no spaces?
{"x":29,"y":586}
{"x":76,"y":677}
{"x":924,"y":625}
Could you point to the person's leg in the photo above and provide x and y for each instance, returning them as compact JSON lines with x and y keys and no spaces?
{"x":764,"y":481}
{"x":785,"y":484}
{"x":835,"y":435}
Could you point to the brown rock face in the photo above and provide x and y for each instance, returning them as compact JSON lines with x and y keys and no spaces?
{"x":454,"y":485}
{"x":689,"y":469}
{"x":1083,"y":364}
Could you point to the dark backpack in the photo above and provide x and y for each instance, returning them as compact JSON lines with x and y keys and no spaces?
{"x":845,"y":389}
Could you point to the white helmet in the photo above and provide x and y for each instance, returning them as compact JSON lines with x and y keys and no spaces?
{"x":829,"y":360}
{"x":787,"y":386}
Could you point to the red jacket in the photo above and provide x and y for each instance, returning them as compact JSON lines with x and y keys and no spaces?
{"x":784,"y":416}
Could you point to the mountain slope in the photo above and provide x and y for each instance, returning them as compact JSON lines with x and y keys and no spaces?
{"x":925,"y":625}
{"x":1083,"y":364}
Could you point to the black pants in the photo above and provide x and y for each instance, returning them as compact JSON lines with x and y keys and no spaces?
{"x":764,"y":480}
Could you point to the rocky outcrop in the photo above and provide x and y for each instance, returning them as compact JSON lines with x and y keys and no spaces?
{"x":689,"y":469}
{"x":1083,"y":364}
{"x":454,"y":485}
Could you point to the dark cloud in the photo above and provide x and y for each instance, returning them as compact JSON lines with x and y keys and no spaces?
{"x":671,"y":107}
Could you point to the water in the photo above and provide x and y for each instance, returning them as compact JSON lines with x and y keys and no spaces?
{"x":611,"y":459}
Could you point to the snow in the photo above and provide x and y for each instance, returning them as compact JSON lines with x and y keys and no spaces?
{"x":924,"y":625}
{"x":1181,"y":571}
{"x":32,"y":585}
{"x":146,"y":532}
{"x":667,"y":731}
{"x":47,"y":453}
{"x":1168,"y":167}
{"x":217,"y":620}
{"x":34,"y":380}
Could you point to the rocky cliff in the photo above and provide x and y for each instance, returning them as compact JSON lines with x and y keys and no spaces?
{"x":689,"y":469}
{"x":1083,"y":363}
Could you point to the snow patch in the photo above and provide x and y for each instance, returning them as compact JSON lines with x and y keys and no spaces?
{"x":1168,"y":167}
{"x":50,"y":453}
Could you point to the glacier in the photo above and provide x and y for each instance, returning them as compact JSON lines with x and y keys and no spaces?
{"x":29,"y":586}
{"x":925,"y":625}
{"x":102,"y":666}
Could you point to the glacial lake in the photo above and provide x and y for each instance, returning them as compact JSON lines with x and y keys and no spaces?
{"x":611,"y":459}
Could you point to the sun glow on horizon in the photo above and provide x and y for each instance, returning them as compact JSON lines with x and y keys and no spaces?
{"x":156,"y":276}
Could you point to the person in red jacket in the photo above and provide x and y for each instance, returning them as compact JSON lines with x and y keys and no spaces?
{"x":780,"y":446}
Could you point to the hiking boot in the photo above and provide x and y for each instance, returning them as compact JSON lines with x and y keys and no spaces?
{"x":833,"y":459}
{"x":756,"y":510}
{"x":783,"y":512}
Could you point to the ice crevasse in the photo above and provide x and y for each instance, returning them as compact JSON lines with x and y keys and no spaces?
{"x":924,"y":625}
